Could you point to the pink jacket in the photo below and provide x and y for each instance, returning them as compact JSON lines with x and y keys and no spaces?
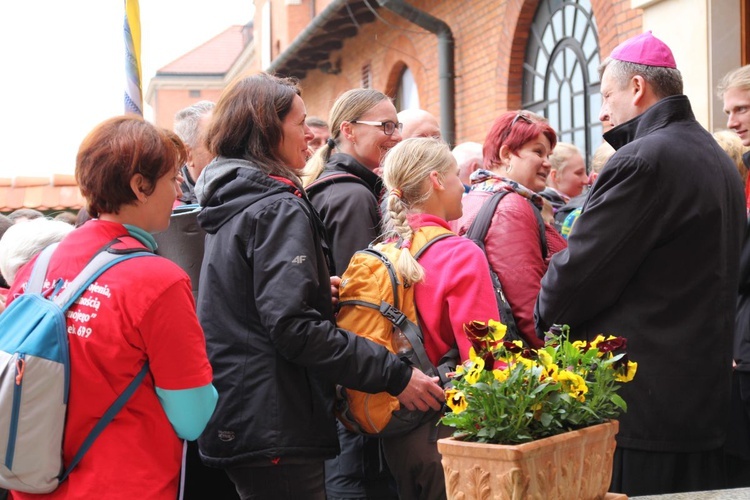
{"x":514,"y":252}
{"x":456,"y":289}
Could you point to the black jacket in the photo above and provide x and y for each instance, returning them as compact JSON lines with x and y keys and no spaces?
{"x":349,"y":208}
{"x":265,"y":306}
{"x":742,"y":321}
{"x":654,"y":258}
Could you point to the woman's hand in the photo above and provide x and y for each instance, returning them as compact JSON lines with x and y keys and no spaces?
{"x":335,"y":283}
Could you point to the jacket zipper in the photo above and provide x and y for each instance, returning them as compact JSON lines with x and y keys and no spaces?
{"x":14,"y":415}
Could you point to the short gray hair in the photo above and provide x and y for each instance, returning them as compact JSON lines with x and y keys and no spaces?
{"x":314,"y":121}
{"x":665,"y":82}
{"x":22,"y":241}
{"x":186,"y":121}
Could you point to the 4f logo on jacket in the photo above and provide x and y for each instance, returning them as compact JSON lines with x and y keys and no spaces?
{"x":299,"y":259}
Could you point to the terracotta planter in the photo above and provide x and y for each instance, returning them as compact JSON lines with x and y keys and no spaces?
{"x":575,"y":465}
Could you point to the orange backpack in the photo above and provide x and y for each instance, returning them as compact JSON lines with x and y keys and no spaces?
{"x":376,"y":303}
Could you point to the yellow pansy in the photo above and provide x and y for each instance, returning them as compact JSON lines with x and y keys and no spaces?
{"x":498,"y":329}
{"x":472,"y":353}
{"x":500,"y":375}
{"x":545,"y":358}
{"x":629,"y":374}
{"x":579,"y":344}
{"x":526,"y":362}
{"x":474,"y":371}
{"x":573,"y":384}
{"x":455,"y":400}
{"x":549,"y":372}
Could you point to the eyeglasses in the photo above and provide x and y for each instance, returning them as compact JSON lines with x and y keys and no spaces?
{"x":388,"y":127}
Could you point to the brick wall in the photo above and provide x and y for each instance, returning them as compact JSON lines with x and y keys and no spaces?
{"x":490,"y":43}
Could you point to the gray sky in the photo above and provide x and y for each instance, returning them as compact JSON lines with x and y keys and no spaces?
{"x":64,"y":68}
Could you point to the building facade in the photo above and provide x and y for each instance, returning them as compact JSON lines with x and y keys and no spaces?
{"x":468,"y":61}
{"x":201,"y":74}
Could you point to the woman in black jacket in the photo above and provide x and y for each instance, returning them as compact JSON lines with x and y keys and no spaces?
{"x":266,"y":308}
{"x":344,"y":188}
{"x":342,"y":178}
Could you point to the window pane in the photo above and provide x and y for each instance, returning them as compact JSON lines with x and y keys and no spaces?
{"x":595,"y":105}
{"x":570,"y":70}
{"x":566,"y":110}
{"x":570,"y":15}
{"x":408,"y":92}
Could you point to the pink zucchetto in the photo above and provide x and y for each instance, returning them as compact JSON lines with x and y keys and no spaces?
{"x":645,"y":49}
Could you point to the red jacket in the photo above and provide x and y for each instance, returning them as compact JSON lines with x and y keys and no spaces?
{"x":514,"y":252}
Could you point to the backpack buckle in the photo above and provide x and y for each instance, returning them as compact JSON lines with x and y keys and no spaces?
{"x":393,"y":314}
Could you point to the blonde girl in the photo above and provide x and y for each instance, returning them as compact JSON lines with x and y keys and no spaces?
{"x":452,"y":287}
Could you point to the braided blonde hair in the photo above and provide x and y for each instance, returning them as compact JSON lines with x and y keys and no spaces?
{"x":406,"y":175}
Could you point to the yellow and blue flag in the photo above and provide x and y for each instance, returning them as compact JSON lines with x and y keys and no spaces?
{"x":133,"y":95}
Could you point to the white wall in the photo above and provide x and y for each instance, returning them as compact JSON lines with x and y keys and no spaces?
{"x":704,"y":51}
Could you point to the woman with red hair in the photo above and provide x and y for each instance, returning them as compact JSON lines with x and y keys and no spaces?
{"x":516,"y":159}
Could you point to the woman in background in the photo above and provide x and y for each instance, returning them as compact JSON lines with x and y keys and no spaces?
{"x":516,"y":159}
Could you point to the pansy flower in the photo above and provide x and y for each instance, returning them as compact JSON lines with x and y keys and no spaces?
{"x":456,"y":400}
{"x":573,"y":384}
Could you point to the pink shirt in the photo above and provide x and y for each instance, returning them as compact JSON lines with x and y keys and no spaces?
{"x":457,"y":289}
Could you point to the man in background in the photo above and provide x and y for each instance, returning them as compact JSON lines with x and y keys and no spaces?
{"x":321,"y":133}
{"x":468,"y":155}
{"x":734,"y":90}
{"x":419,"y":123}
{"x":190,"y":125}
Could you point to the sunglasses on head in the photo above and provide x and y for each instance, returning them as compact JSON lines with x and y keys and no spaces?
{"x":520,"y":116}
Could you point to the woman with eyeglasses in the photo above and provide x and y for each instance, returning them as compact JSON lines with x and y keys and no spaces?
{"x":341,"y":179}
{"x":343,"y":185}
{"x":516,"y":159}
{"x":266,"y":307}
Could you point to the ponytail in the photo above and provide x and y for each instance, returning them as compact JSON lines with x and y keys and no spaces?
{"x":316,"y":164}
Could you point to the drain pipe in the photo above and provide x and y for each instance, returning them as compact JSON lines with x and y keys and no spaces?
{"x":446,"y":59}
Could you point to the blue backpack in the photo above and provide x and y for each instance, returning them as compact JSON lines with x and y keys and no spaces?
{"x":35,"y":374}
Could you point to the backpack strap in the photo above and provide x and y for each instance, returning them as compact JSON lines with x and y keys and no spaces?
{"x":108,"y":416}
{"x":100,"y":263}
{"x":39,"y":271}
{"x":411,"y":330}
{"x":478,"y":233}
{"x":103,"y":260}
{"x":323,"y":181}
{"x":481,"y":225}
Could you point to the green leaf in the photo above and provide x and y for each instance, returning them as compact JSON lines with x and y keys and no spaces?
{"x":616,"y":399}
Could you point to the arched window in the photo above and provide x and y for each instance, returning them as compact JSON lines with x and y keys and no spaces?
{"x":407,"y":96}
{"x":560,"y":77}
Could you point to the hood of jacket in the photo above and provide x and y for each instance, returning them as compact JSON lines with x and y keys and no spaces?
{"x":228,"y":185}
